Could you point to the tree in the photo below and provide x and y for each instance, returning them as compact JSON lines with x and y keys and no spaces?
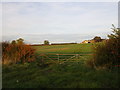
{"x":116,"y":32}
{"x":46,"y":42}
{"x":97,"y":39}
{"x":13,"y":42}
{"x":20,"y":41}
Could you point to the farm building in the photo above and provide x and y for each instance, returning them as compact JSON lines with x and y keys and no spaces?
{"x":88,"y":41}
{"x":93,"y":41}
{"x":85,"y":41}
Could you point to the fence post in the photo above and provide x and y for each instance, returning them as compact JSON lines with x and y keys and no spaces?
{"x":58,"y":57}
{"x":77,"y":56}
{"x":42,"y":56}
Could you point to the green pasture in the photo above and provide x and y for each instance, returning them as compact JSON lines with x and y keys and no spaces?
{"x":63,"y":49}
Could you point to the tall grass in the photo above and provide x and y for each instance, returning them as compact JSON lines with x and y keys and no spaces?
{"x":66,"y":75}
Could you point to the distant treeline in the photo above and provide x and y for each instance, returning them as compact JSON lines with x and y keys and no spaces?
{"x":62,"y":43}
{"x":53,"y":44}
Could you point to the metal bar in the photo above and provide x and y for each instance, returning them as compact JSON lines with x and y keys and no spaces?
{"x":66,"y":54}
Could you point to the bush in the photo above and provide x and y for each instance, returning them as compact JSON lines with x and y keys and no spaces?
{"x":107,"y":53}
{"x":16,"y":53}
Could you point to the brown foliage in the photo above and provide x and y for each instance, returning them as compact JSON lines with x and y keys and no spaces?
{"x":17,"y":53}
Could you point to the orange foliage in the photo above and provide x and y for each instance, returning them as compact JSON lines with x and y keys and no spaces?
{"x":17,"y":53}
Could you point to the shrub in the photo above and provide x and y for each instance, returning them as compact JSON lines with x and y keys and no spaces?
{"x":107,"y":53}
{"x":17,"y":53}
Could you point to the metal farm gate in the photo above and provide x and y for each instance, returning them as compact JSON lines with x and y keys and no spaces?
{"x":64,"y":57}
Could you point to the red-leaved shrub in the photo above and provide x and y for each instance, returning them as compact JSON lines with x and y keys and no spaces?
{"x":17,"y":53}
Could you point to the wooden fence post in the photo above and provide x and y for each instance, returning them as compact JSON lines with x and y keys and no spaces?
{"x":42,"y":58}
{"x":58,"y":57}
{"x":77,"y":56}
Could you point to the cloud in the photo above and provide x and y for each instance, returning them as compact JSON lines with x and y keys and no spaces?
{"x":58,"y":18}
{"x":60,"y":1}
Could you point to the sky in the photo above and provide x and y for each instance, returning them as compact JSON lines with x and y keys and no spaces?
{"x":57,"y":21}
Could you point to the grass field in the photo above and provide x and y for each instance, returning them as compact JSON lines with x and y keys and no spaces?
{"x":73,"y":48}
{"x":65,"y":75}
